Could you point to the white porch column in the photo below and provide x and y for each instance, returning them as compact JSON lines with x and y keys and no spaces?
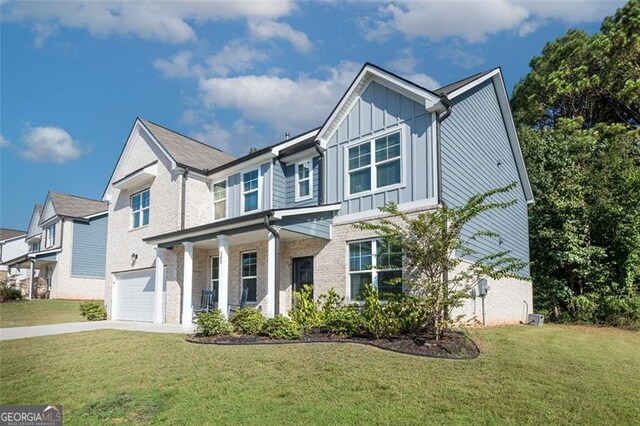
{"x":31,"y":272}
{"x":223,"y":274}
{"x":271,"y":275}
{"x":187,"y":284}
{"x":158,"y":316}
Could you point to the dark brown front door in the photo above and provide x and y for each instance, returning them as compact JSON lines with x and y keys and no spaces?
{"x":302,"y":272}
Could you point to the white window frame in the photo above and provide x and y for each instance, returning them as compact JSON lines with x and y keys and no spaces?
{"x":50,"y":236}
{"x":373,"y":164}
{"x":374,"y":266}
{"x":243,"y":192}
{"x":242,"y":277}
{"x":214,"y":260}
{"x":309,"y":179}
{"x":141,"y":209}
{"x":225,"y":199}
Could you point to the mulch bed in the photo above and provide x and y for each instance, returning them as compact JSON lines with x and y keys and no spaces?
{"x":452,"y":345}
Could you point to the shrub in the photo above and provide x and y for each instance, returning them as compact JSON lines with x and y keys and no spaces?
{"x":8,"y":292}
{"x":375,"y":320}
{"x":247,"y":321}
{"x":410,"y":312}
{"x":212,"y":323}
{"x":620,"y":311}
{"x":330,"y":302}
{"x":93,"y":310}
{"x":305,"y":310}
{"x":583,"y":308}
{"x":344,"y":321}
{"x":281,"y":327}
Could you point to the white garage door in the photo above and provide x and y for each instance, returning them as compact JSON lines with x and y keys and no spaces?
{"x":135,"y":295}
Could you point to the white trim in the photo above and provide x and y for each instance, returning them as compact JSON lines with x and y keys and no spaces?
{"x":36,"y":254}
{"x":297,"y":180}
{"x":138,"y":178}
{"x":473,"y":84}
{"x":211,"y":280}
{"x":223,"y":274}
{"x":207,"y":231}
{"x":226,"y":199}
{"x":249,"y":277}
{"x":158,"y":301}
{"x":420,"y":205}
{"x":279,"y":214}
{"x":434,"y":155}
{"x":91,"y":216}
{"x":17,"y":237}
{"x":50,"y":236}
{"x":249,"y":164}
{"x":258,"y":189}
{"x":187,"y":283}
{"x":276,"y":149}
{"x":272,"y":291}
{"x":141,"y":209}
{"x":374,"y":266}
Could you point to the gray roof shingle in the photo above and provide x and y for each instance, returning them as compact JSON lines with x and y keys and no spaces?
{"x":452,"y":87}
{"x":74,"y":206}
{"x":6,"y":233}
{"x":187,"y":151}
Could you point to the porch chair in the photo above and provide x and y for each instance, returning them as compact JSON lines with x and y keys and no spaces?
{"x":243,"y":301}
{"x":207,"y":302}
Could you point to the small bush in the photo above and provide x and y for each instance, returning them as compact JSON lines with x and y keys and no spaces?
{"x":212,"y":323}
{"x":375,"y":321}
{"x":8,"y":292}
{"x":620,"y":311}
{"x":305,"y":310}
{"x":330,"y":302}
{"x":583,"y":308}
{"x":411,"y":313}
{"x":247,"y":321}
{"x":281,"y":327}
{"x":93,"y":310}
{"x":344,"y":321}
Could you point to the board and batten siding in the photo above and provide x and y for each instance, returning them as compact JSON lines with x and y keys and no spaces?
{"x":89,"y":248}
{"x":477,"y":157}
{"x":234,"y":190}
{"x":379,"y":111}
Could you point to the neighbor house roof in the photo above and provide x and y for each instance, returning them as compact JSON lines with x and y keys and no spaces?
{"x":188,"y":152}
{"x":74,"y":206}
{"x":7,"y":234}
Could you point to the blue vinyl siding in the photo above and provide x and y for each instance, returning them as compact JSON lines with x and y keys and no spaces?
{"x":279,"y":185}
{"x":234,"y":190}
{"x":290,"y":185}
{"x":476,"y":157}
{"x":378,"y":111}
{"x":315,"y":225}
{"x":89,"y":248}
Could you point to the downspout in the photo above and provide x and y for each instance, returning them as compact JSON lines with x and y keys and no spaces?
{"x":183,"y":201}
{"x":276,"y":235}
{"x":321,"y":171}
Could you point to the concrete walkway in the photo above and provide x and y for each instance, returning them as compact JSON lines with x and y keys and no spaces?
{"x":12,"y":333}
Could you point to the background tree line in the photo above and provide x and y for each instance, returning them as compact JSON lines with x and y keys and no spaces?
{"x":578,"y":116}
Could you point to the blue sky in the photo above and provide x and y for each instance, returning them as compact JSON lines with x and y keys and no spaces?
{"x":75,"y":75}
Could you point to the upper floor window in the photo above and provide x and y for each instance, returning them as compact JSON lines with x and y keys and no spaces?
{"x":250,"y":190}
{"x":34,"y":247}
{"x":304,"y":177}
{"x":384,"y":169}
{"x":376,"y":263}
{"x":140,"y":209}
{"x":50,"y":236}
{"x":220,"y":200}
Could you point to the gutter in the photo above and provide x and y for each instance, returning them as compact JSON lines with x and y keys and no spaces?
{"x":276,"y":235}
{"x":321,"y":183}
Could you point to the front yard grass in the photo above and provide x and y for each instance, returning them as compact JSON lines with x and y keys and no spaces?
{"x":39,"y":312}
{"x":525,"y":375}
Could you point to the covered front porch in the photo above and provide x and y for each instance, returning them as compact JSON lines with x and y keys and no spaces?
{"x":250,"y":263}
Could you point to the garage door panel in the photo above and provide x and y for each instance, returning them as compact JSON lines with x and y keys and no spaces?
{"x":135,"y":296}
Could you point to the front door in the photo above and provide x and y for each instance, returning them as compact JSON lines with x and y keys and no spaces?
{"x":302,"y":272}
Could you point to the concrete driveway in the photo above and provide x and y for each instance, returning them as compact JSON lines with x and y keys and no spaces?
{"x":12,"y":333}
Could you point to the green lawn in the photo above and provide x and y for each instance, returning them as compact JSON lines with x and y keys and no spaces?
{"x":548,"y":375}
{"x":37,"y":312}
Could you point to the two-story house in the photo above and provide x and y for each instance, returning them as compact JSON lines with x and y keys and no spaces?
{"x":67,"y":242}
{"x":12,"y":249}
{"x":185,"y":216}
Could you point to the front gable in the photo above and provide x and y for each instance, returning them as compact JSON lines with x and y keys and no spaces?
{"x":48,"y":211}
{"x":34,"y":229}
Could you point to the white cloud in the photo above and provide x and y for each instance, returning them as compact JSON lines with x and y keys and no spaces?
{"x":474,"y":21}
{"x":462,"y":57}
{"x":179,"y":66}
{"x":406,"y":64}
{"x":268,"y":30}
{"x":165,"y":21}
{"x":42,"y":33}
{"x":284,"y":104}
{"x":4,"y":142}
{"x":49,"y":144}
{"x":237,"y":55}
{"x":236,"y":139}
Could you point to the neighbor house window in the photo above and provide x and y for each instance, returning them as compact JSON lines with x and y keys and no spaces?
{"x":304,"y":177}
{"x":384,"y":169}
{"x":215,"y":273}
{"x":250,"y":190}
{"x":140,"y":209}
{"x":374,"y":262}
{"x":220,"y":200}
{"x":50,"y":236}
{"x":249,"y":275}
{"x":35,"y":247}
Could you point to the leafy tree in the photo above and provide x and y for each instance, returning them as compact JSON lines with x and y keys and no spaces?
{"x":594,"y":77}
{"x":428,"y":243}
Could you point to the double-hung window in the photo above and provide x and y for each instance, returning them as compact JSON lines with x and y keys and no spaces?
{"x":374,"y":262}
{"x":215,"y":273}
{"x":304,"y":177}
{"x":140,"y":209}
{"x":250,"y":189}
{"x":50,"y":236}
{"x":383,"y":168}
{"x":35,"y":247}
{"x":249,"y":274}
{"x":220,"y":200}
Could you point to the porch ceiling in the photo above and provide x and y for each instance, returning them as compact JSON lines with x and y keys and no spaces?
{"x":249,"y":237}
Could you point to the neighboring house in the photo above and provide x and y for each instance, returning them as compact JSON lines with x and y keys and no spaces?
{"x":185,"y":216}
{"x":67,"y":241}
{"x":12,"y":246}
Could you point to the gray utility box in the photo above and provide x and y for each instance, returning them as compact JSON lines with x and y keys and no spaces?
{"x":535,"y":319}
